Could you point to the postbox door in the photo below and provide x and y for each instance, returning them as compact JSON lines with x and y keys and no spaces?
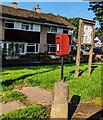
{"x":62,"y":44}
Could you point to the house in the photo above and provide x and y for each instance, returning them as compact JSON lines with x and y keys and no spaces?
{"x":98,"y":41}
{"x":28,"y":32}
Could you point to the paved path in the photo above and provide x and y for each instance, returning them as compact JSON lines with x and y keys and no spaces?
{"x":37,"y":95}
{"x":9,"y":106}
{"x":34,"y":95}
{"x":85,"y":110}
{"x":44,"y":97}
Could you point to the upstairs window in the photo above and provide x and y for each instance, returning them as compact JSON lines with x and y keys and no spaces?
{"x":9,"y":24}
{"x":52,"y":29}
{"x":25,"y":26}
{"x":31,"y":27}
{"x":65,"y":31}
{"x":0,"y":45}
{"x":36,"y":27}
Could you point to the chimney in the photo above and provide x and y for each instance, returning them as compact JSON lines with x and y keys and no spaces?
{"x":38,"y":9}
{"x":14,"y":4}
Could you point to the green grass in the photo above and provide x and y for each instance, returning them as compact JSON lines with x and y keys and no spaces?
{"x":35,"y":112}
{"x":87,"y":87}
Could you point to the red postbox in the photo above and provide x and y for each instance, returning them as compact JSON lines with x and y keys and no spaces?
{"x":62,"y":44}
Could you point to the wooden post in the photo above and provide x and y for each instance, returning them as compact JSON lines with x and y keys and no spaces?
{"x":62,"y":69}
{"x":91,"y":53}
{"x":78,"y":48}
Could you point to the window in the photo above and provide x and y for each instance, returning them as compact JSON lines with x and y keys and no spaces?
{"x":31,"y":27}
{"x":25,"y":26}
{"x":32,"y":48}
{"x":95,"y":41}
{"x":48,"y":29}
{"x":0,"y":45}
{"x":51,"y":48}
{"x":37,"y":48}
{"x":17,"y":25}
{"x":52,"y":29}
{"x":59,"y":30}
{"x":4,"y":50}
{"x":13,"y":48}
{"x":22,"y":48}
{"x":36,"y":27}
{"x":5,"y":45}
{"x":9,"y":24}
{"x":72,"y":48}
{"x":65,"y":31}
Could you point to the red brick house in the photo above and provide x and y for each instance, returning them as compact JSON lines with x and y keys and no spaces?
{"x":26,"y":32}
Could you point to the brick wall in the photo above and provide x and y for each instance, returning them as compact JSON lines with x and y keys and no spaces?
{"x":43,"y":39}
{"x":1,"y":30}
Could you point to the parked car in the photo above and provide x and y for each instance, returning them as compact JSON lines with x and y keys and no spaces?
{"x":97,"y":50}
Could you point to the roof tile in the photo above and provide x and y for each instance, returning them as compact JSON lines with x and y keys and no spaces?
{"x":33,"y":16}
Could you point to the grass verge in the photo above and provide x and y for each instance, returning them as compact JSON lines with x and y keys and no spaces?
{"x":87,"y":87}
{"x":36,"y":112}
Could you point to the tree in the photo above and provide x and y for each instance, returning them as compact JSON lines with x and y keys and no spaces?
{"x":75,"y":22}
{"x":97,"y":8}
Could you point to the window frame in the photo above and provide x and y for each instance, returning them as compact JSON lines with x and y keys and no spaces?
{"x":32,"y":44}
{"x":7,"y":21}
{"x":25,"y":24}
{"x":49,"y":48}
{"x":50,"y":29}
{"x":9,"y":43}
{"x":65,"y":29}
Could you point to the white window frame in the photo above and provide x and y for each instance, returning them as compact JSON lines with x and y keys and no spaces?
{"x":60,"y":30}
{"x":36,"y":26}
{"x":51,"y":45}
{"x":7,"y":46}
{"x":67,"y":30}
{"x":25,"y":24}
{"x":19,"y":24}
{"x":7,"y":21}
{"x":32,"y":44}
{"x":50,"y":29}
{"x":23,"y":53}
{"x":0,"y":44}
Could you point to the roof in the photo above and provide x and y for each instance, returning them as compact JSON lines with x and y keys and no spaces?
{"x":33,"y":16}
{"x":88,"y":21}
{"x":99,"y":38}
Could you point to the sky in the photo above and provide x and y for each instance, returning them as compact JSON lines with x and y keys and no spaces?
{"x":67,"y":9}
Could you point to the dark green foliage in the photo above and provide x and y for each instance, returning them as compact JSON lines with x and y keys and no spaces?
{"x":97,"y":8}
{"x":99,"y":32}
{"x":75,"y":22}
